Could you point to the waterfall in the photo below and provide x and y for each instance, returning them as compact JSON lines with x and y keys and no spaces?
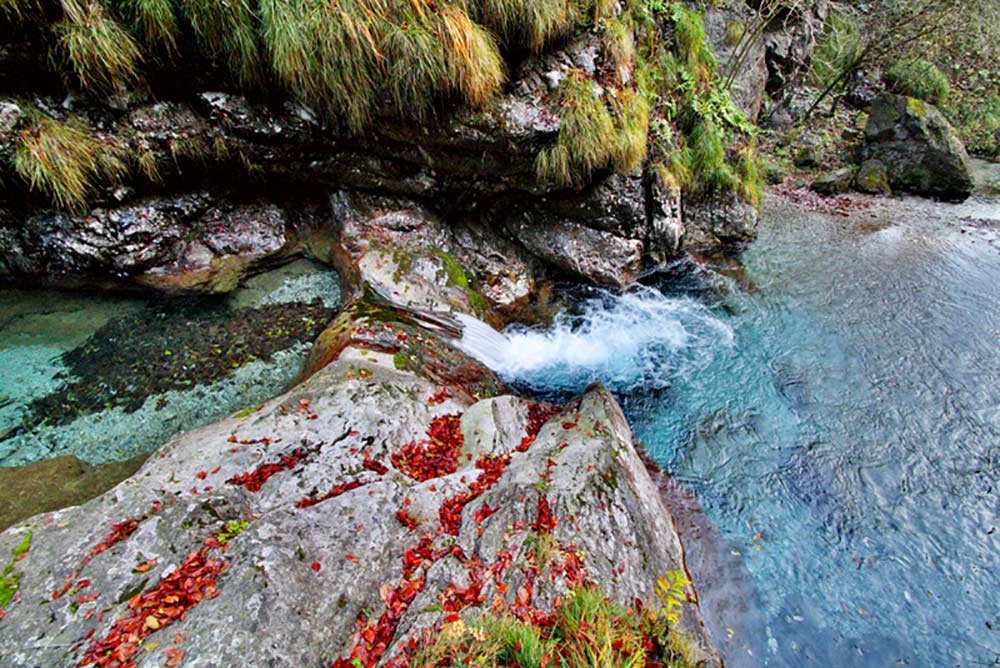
{"x":637,"y":338}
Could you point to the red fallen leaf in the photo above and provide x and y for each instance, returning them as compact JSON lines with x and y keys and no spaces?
{"x":83,"y":583}
{"x":353,"y":432}
{"x":435,"y":456}
{"x":568,"y":425}
{"x":406,"y":520}
{"x":2,"y":613}
{"x":201,"y":475}
{"x":190,"y":583}
{"x":452,"y":618}
{"x":407,"y":501}
{"x":254,"y":480}
{"x":303,"y":405}
{"x":178,"y":638}
{"x":483,"y":512}
{"x":376,"y":466}
{"x":342,"y":488}
{"x":215,"y":470}
{"x":316,"y":566}
{"x":439,"y":397}
{"x":538,"y":415}
{"x":88,"y":598}
{"x":174,"y":658}
{"x":143,"y":567}
{"x":351,"y":557}
{"x":545,"y":521}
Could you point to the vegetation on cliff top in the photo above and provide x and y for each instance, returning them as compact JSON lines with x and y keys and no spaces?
{"x":352,"y":58}
{"x":655,"y":94}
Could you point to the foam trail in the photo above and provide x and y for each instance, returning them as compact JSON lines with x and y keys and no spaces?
{"x":639,"y":338}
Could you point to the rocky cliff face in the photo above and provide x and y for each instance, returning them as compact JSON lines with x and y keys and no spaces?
{"x":397,"y":485}
{"x":473,"y":169}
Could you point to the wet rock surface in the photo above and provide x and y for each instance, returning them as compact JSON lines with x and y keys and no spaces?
{"x":716,"y":219}
{"x":193,"y":242}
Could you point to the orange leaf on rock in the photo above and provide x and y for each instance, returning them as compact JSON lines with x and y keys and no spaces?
{"x":145,"y":566}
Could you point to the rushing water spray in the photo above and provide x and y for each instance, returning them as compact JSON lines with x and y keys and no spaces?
{"x":640,"y":338}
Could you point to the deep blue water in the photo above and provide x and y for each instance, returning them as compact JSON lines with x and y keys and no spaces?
{"x":832,"y":399}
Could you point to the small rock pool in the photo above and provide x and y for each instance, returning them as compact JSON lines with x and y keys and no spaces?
{"x":105,"y":378}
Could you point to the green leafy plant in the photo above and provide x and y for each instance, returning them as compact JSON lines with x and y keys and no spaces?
{"x":9,"y":578}
{"x":671,"y":589}
{"x":232,"y":530}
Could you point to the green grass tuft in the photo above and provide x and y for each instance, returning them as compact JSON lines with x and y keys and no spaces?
{"x":689,"y":41}
{"x":102,"y":54}
{"x":586,"y":630}
{"x":619,"y":43}
{"x":18,"y":10}
{"x":587,"y":138}
{"x":631,"y":121}
{"x":920,"y":79}
{"x":227,"y":30}
{"x":65,"y":160}
{"x":155,"y":21}
{"x":528,"y":23}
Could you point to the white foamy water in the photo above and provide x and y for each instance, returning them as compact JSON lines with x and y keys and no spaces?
{"x":626,"y":340}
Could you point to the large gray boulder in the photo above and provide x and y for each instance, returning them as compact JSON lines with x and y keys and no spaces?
{"x":713,"y":219}
{"x":300,"y":531}
{"x":919,"y":149}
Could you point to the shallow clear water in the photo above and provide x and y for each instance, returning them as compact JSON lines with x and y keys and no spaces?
{"x":43,"y":413}
{"x":833,"y":401}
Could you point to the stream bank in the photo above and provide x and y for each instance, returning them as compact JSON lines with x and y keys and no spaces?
{"x":398,"y":484}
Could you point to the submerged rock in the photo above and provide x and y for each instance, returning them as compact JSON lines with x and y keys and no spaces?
{"x":57,"y":483}
{"x":920,"y":150}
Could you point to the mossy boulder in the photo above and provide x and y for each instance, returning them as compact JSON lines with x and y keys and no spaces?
{"x":873,"y":178}
{"x":919,"y":149}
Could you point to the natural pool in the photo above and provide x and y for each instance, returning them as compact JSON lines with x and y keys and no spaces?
{"x":832,"y":400}
{"x":105,"y":378}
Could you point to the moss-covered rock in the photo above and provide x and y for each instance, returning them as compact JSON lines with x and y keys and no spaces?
{"x":872,"y":178}
{"x":920,"y":151}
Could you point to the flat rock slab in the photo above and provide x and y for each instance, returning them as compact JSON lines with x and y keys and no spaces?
{"x":304,"y":533}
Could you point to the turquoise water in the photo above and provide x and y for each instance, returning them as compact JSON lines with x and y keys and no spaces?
{"x":832,"y":399}
{"x":105,"y":377}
